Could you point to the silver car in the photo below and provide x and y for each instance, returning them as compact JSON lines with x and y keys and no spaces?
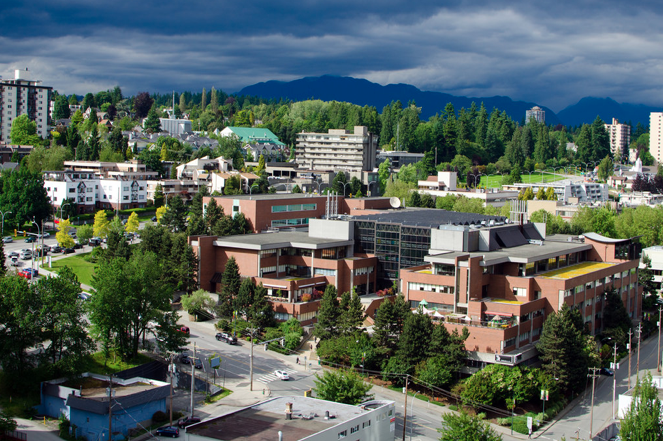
{"x":7,"y":239}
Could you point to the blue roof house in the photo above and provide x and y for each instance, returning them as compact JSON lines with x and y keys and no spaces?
{"x":85,"y":403}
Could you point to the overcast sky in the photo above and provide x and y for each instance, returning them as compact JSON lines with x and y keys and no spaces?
{"x":551,"y":53}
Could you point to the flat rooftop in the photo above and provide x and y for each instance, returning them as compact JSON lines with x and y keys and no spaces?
{"x":427,"y":217}
{"x":572,"y":271}
{"x":280,"y":239}
{"x":264,"y":420}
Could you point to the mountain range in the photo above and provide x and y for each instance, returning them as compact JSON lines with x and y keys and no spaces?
{"x":363,"y":92}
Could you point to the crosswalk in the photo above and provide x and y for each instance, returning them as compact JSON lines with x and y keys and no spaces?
{"x":267,"y":378}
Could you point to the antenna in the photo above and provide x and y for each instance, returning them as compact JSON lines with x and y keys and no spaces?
{"x":174,"y":104}
{"x":395,"y":202}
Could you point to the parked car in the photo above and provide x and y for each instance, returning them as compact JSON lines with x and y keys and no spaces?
{"x":33,"y":271}
{"x":30,"y":239}
{"x":26,"y":255}
{"x":78,"y":246}
{"x":169,"y":431}
{"x":154,"y":219}
{"x":184,"y":358}
{"x":13,"y":254}
{"x":14,"y":261}
{"x":26,"y":274}
{"x":84,"y":296}
{"x":95,"y":241}
{"x":184,"y":329}
{"x":46,"y":235}
{"x":188,"y":421}
{"x":282,"y":375}
{"x":607,"y":371}
{"x":7,"y":239}
{"x":68,"y":250}
{"x":198,"y":364}
{"x":228,"y":338}
{"x":56,"y":249}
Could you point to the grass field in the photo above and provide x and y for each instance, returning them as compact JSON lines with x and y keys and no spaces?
{"x":81,"y":267}
{"x":495,"y":181}
{"x":98,"y":364}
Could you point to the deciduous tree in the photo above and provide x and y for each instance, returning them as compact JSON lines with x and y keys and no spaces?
{"x":464,"y":427}
{"x":343,"y":386}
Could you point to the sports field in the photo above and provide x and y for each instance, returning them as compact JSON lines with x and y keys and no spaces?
{"x":495,"y":181}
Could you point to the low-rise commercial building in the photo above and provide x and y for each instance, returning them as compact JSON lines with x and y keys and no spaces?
{"x":445,"y":184}
{"x":655,"y":254}
{"x":567,"y":189}
{"x":85,"y":403}
{"x":300,"y":418}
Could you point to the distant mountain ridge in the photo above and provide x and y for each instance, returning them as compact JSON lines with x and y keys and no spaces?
{"x":363,"y":92}
{"x":586,"y":109}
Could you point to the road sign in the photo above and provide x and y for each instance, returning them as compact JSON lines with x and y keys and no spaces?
{"x":215,"y":362}
{"x":529,"y":423}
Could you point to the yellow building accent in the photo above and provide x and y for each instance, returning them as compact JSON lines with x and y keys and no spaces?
{"x":579,"y":269}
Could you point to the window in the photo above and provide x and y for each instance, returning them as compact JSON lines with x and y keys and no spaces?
{"x":524,"y":336}
{"x":366,"y":270}
{"x":268,"y":253}
{"x":509,"y":342}
{"x":88,"y":199}
{"x":324,"y":272}
{"x":579,"y":288}
{"x":354,"y":429}
{"x":125,"y":198}
{"x":125,"y":189}
{"x":342,"y":434}
{"x":536,"y":331}
{"x":446,"y":270}
{"x":366,"y":424}
{"x":294,"y":207}
{"x":537,"y":295}
{"x":72,"y":190}
{"x":524,"y":318}
{"x":413,"y":286}
{"x":289,"y":222}
{"x":89,"y":190}
{"x":519,"y":291}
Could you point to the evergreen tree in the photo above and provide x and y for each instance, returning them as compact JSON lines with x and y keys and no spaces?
{"x":584,"y":144}
{"x":3,"y":267}
{"x":600,"y":140}
{"x":328,"y":315}
{"x":214,"y":101}
{"x":242,"y":303}
{"x":389,"y":320}
{"x":231,"y":285}
{"x":182,"y":105}
{"x":213,"y":215}
{"x":158,"y":196}
{"x":175,"y":217}
{"x":352,"y":313}
{"x":203,"y":101}
{"x":93,"y":144}
{"x":152,"y":123}
{"x":261,"y":309}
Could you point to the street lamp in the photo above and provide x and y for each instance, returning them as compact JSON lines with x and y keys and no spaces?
{"x":318,"y":184}
{"x":412,"y":413}
{"x":42,"y":247}
{"x":63,"y":204}
{"x":345,"y":184}
{"x":3,"y":221}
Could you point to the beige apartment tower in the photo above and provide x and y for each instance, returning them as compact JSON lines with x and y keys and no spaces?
{"x":22,"y":96}
{"x":620,"y":138}
{"x":338,"y":150}
{"x":655,"y":147}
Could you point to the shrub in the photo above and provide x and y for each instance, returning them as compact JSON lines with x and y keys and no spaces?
{"x":481,"y":415}
{"x":159,"y":417}
{"x":453,"y":407}
{"x":506,"y":422}
{"x":223,"y":325}
{"x":306,"y":297}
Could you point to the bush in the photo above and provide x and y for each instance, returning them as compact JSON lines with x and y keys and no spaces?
{"x":306,"y":297}
{"x":223,"y":325}
{"x":481,"y":415}
{"x":159,"y":417}
{"x":453,"y":407}
{"x":506,"y":422}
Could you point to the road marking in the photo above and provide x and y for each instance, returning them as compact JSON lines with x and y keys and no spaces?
{"x":272,"y":376}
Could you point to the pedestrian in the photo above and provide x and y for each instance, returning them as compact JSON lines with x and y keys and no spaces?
{"x":310,"y":346}
{"x":297,"y":360}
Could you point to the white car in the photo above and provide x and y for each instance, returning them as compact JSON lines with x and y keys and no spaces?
{"x":282,"y":375}
{"x":7,"y":239}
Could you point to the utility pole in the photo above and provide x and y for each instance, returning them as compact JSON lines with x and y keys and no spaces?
{"x":630,"y":333}
{"x":614,"y":380}
{"x":171,"y":369}
{"x":405,"y":407}
{"x":658,"y":363}
{"x":193,"y":375}
{"x":110,"y":407}
{"x":593,"y":376}
{"x":637,"y":366}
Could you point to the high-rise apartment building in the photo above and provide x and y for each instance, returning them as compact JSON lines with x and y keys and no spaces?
{"x":22,"y":96}
{"x":620,"y":138}
{"x":537,"y":113}
{"x":338,"y":150}
{"x":655,"y":146}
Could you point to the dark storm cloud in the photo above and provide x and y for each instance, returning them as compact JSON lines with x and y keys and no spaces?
{"x":552,"y":54}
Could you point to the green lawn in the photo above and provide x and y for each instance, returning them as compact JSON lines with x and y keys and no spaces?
{"x":495,"y":181}
{"x":97,"y":364}
{"x":81,"y":267}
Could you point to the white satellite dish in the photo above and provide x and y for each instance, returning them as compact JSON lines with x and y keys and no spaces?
{"x":395,"y":202}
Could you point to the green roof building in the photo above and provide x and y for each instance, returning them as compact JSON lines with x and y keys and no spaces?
{"x":252,"y":135}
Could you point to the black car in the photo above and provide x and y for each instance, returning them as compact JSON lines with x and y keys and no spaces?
{"x":169,"y":431}
{"x":30,"y":239}
{"x":56,"y":249}
{"x":68,"y":251}
{"x":78,"y":246}
{"x":198,"y":364}
{"x":154,"y":219}
{"x":184,"y":358}
{"x":608,"y":372}
{"x":188,"y":421}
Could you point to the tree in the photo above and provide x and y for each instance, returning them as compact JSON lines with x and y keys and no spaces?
{"x":389,"y":321}
{"x":61,"y":108}
{"x":158,"y":196}
{"x":142,"y":104}
{"x":62,"y":321}
{"x":101,"y":224}
{"x":614,"y":312}
{"x":231,"y":284}
{"x":7,"y":423}
{"x":132,"y":223}
{"x":352,"y":313}
{"x":24,"y":131}
{"x":328,"y":315}
{"x":242,"y":302}
{"x":262,"y":312}
{"x":343,"y":386}
{"x":296,"y":189}
{"x":62,"y":236}
{"x":3,"y":258}
{"x":160,"y":213}
{"x":199,"y":300}
{"x":23,"y":193}
{"x":152,"y":123}
{"x":562,"y":348}
{"x":464,"y":427}
{"x":175,"y":216}
{"x":606,"y":168}
{"x":643,"y":419}
{"x":213,"y":218}
{"x":116,"y":243}
{"x":85,"y":232}
{"x":384,"y":171}
{"x":134,"y":287}
{"x":88,"y":101}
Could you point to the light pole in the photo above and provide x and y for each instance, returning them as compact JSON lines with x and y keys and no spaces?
{"x":412,"y":413}
{"x":42,"y":246}
{"x":3,"y":221}
{"x":345,"y":184}
{"x":63,"y":204}
{"x":318,"y":184}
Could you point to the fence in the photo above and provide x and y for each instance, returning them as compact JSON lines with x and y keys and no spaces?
{"x":13,"y":435}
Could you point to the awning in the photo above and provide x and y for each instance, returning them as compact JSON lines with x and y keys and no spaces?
{"x":216,"y":278}
{"x":438,"y":315}
{"x":498,"y":313}
{"x":423,"y":302}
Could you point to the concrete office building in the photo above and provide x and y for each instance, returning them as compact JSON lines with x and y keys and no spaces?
{"x":537,"y":113}
{"x":338,"y":150}
{"x":399,"y":159}
{"x":620,"y":138}
{"x":655,"y":253}
{"x":22,"y":96}
{"x":300,"y":418}
{"x":175,"y":126}
{"x":582,"y":192}
{"x":655,"y":133}
{"x":445,"y":184}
